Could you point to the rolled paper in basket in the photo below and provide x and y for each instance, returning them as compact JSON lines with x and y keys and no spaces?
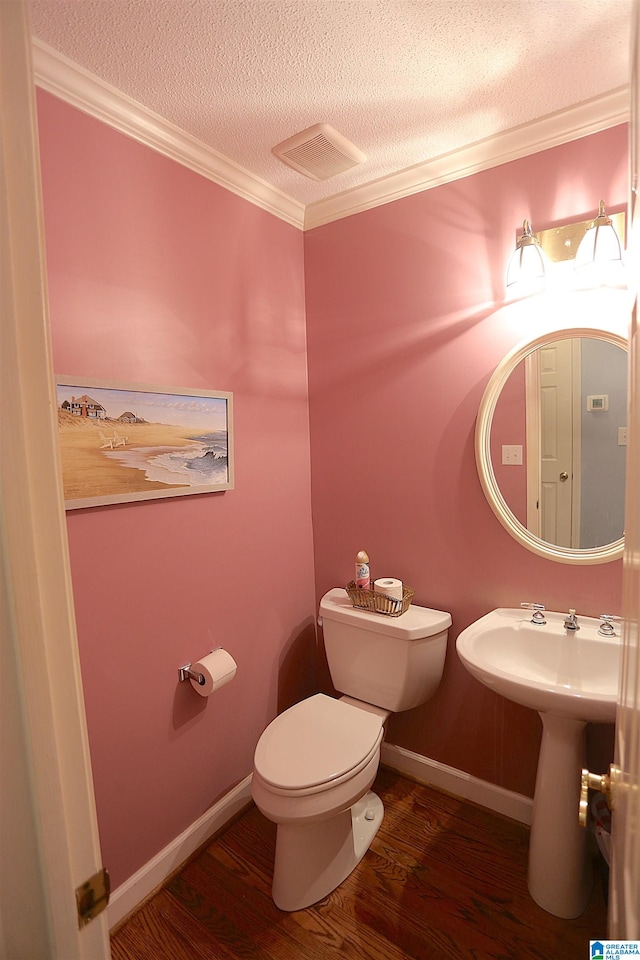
{"x":389,"y":587}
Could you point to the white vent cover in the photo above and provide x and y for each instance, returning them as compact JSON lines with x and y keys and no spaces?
{"x":319,"y":152}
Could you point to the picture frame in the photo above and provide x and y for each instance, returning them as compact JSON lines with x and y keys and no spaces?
{"x":124,"y":442}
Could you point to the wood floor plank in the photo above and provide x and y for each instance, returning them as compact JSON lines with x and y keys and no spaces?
{"x":442,"y":878}
{"x":163,"y":929}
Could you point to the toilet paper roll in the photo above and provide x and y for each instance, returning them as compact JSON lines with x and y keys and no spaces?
{"x":217,"y":669}
{"x":389,"y":587}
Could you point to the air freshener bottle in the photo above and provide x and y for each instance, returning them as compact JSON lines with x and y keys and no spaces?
{"x":363,"y":579}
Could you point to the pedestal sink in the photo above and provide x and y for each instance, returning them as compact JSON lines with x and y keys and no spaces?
{"x":571,"y":678}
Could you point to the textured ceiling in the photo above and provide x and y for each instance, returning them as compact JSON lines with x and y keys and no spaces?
{"x":405,"y":80}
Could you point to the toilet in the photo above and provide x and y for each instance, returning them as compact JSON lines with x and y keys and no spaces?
{"x":314,"y":764}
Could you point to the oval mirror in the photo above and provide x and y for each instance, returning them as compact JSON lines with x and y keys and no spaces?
{"x":551,"y":444}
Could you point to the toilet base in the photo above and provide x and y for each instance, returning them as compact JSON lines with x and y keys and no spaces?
{"x":312,"y":860}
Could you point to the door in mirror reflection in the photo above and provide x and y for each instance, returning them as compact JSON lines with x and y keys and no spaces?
{"x":565,"y":405}
{"x":553,"y":380}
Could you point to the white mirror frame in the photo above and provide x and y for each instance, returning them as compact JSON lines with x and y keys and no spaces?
{"x":611,"y":551}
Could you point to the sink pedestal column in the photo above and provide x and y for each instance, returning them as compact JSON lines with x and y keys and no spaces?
{"x":560,"y":873}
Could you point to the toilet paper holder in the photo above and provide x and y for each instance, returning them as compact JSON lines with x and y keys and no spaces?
{"x":186,"y":673}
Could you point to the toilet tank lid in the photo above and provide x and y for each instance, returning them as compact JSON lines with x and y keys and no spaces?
{"x":415,"y":624}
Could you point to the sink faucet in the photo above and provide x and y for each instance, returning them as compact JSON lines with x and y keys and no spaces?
{"x":571,"y":621}
{"x":606,"y":625}
{"x":538,"y":615}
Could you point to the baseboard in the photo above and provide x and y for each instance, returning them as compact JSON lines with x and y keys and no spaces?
{"x":460,"y":784}
{"x":138,"y":887}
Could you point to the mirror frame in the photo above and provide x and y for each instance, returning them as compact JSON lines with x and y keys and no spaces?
{"x":611,"y":551}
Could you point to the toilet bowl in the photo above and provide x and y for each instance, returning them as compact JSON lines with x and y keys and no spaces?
{"x":314,"y":764}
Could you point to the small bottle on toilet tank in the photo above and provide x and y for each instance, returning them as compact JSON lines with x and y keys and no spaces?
{"x":363,"y":578}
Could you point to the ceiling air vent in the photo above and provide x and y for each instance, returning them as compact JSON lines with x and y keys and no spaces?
{"x":319,"y":152}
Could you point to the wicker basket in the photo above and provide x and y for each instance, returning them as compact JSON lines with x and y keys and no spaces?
{"x":378,"y":602}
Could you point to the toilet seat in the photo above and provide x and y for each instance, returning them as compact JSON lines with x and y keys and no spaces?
{"x":315,"y":745}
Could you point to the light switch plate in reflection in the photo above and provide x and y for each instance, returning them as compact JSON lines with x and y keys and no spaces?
{"x":512,"y":454}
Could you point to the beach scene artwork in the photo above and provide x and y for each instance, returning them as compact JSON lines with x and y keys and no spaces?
{"x":122,"y":442}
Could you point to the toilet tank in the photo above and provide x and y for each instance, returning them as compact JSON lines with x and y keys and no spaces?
{"x":392,"y":662}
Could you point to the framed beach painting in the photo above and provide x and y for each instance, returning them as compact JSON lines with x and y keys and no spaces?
{"x":121,"y":442}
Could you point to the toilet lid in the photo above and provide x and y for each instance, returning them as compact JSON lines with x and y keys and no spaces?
{"x":315,"y":741}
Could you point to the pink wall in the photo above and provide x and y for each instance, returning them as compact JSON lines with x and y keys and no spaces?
{"x":402,"y":338}
{"x":157,"y":275}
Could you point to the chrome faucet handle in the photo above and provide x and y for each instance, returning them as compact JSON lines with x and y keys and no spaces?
{"x":538,"y":616}
{"x":606,"y":628}
{"x":571,"y":621}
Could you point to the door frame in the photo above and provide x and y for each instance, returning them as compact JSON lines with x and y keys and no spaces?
{"x":49,"y":779}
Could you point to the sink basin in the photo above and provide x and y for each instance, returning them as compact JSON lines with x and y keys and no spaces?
{"x":571,"y":678}
{"x":570,"y":673}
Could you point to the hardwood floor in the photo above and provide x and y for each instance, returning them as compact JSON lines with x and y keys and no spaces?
{"x":442,"y":878}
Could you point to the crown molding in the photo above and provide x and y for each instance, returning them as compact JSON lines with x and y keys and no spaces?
{"x":58,"y":75}
{"x":551,"y":131}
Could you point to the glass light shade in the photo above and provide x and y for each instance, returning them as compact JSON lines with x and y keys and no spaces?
{"x":600,"y":243}
{"x":527,"y":264}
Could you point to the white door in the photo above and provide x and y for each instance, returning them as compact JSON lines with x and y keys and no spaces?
{"x":48,"y":834}
{"x":553,"y":442}
{"x":624,"y":902}
{"x":556,"y":450}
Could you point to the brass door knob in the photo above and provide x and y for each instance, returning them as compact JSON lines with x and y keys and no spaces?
{"x":564,"y":476}
{"x":604,"y":782}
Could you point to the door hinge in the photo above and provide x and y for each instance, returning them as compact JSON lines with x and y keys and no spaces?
{"x":93,"y":896}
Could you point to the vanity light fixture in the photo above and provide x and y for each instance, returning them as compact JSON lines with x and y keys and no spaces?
{"x":527,"y":264}
{"x":600,"y":243}
{"x":590,"y":248}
